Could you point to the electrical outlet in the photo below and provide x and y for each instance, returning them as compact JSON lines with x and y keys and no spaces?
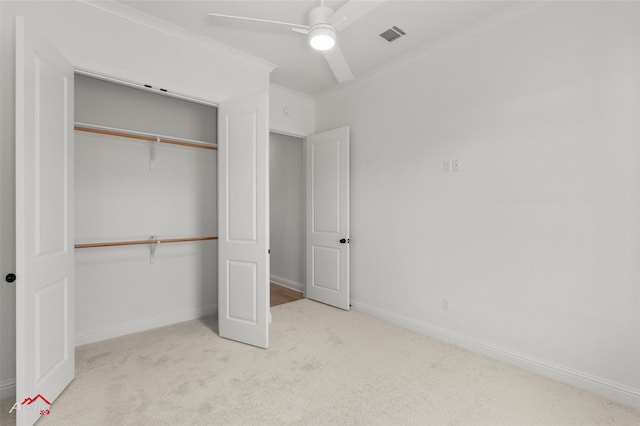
{"x":445,"y":304}
{"x":455,"y":166}
{"x":446,"y":166}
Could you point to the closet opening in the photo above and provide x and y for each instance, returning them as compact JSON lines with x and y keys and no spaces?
{"x":145,"y":209}
{"x":286,"y":191}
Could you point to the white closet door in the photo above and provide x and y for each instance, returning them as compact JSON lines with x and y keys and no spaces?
{"x":327,"y":235}
{"x":243,"y":227}
{"x":44,"y":225}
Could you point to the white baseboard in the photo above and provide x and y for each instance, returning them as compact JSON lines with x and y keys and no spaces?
{"x":287,"y":283}
{"x":614,"y":391}
{"x":8,"y":389}
{"x":97,"y":335}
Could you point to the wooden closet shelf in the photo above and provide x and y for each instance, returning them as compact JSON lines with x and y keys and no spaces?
{"x":141,"y":136}
{"x":140,"y":242}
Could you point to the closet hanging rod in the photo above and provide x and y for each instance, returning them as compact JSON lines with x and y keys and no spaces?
{"x":92,"y":128}
{"x":140,"y":242}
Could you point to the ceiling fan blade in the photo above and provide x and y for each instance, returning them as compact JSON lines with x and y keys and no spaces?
{"x":259,"y":20}
{"x":338,"y":64}
{"x":300,"y":30}
{"x":351,"y":12}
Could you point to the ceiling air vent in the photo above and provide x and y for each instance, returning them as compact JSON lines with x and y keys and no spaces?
{"x":392,"y":33}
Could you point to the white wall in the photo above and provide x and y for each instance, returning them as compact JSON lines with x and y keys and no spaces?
{"x":118,"y":289}
{"x":116,"y":105}
{"x":535,"y":241}
{"x":7,"y":220}
{"x":286,"y":181}
{"x":112,"y":39}
{"x":7,"y":211}
{"x":117,"y":42}
{"x":291,"y":113}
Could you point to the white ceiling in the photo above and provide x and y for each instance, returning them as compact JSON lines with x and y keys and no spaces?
{"x":298,"y":66}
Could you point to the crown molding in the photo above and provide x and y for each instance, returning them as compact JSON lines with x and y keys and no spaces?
{"x":477,"y":28}
{"x":125,"y":12}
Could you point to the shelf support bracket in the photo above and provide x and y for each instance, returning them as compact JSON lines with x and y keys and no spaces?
{"x":152,"y":249}
{"x":152,"y":153}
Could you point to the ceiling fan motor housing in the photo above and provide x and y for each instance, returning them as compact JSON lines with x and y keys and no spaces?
{"x":319,"y":15}
{"x":320,"y":27}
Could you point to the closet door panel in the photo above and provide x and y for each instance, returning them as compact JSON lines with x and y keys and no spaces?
{"x":243,"y":185}
{"x":242,"y":155}
{"x":45,"y":360}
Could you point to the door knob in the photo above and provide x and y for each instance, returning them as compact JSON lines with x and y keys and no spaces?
{"x":10,"y":278}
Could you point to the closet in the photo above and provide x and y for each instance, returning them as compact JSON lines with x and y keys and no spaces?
{"x":145,"y":209}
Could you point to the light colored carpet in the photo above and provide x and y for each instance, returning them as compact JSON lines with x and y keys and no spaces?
{"x":325,"y":366}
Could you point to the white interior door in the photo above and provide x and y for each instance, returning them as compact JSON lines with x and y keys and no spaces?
{"x":44,"y":224}
{"x":243,"y":227}
{"x":327,"y":215}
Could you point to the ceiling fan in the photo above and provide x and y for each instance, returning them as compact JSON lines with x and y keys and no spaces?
{"x":323,"y":26}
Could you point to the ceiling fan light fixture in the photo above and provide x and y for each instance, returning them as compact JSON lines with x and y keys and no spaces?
{"x":322,"y":37}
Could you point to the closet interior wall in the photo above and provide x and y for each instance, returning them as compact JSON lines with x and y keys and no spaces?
{"x":128,"y":189}
{"x":286,"y":192}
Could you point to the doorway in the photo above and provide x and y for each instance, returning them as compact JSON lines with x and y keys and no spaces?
{"x":286,"y":191}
